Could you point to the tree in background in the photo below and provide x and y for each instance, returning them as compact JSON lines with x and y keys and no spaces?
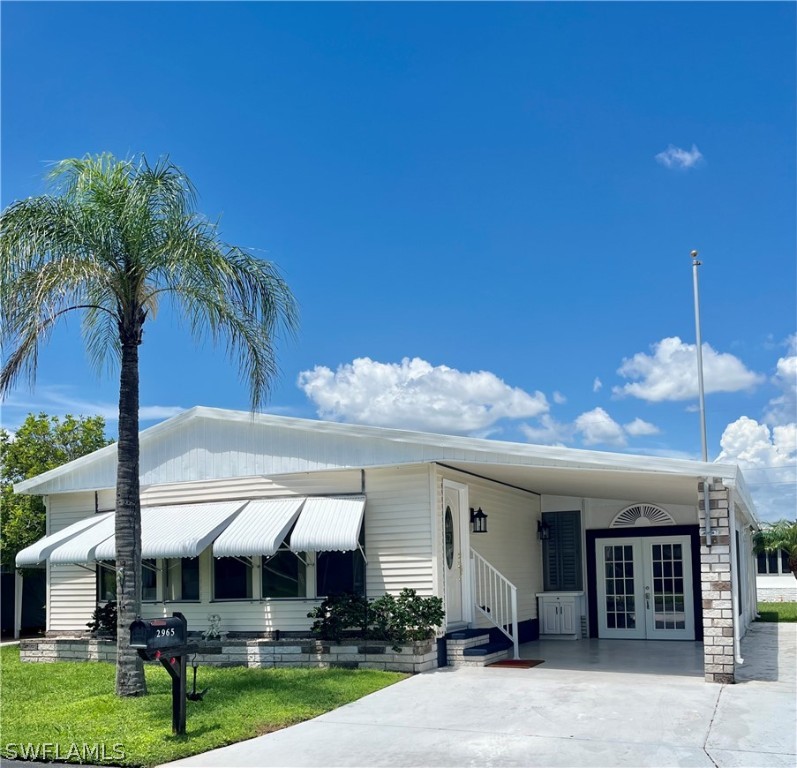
{"x":779,"y":536}
{"x":41,"y":443}
{"x":113,"y":240}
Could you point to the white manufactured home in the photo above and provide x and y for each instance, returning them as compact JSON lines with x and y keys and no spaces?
{"x":256,"y":518}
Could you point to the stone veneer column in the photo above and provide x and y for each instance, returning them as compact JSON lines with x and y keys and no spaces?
{"x":715,"y":582}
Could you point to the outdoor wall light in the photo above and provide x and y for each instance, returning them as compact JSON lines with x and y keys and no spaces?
{"x":543,"y":530}
{"x":478,"y":520}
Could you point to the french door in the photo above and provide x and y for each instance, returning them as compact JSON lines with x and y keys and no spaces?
{"x":645,"y":588}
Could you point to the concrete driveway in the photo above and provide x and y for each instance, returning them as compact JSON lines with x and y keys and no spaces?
{"x":554,"y":717}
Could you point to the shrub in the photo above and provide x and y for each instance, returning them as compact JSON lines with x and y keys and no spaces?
{"x":103,"y":620}
{"x":339,"y":614}
{"x":398,"y":620}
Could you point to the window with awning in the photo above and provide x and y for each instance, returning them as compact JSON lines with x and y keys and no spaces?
{"x":280,"y":531}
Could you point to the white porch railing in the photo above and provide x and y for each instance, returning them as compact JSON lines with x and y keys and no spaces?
{"x":495,"y":597}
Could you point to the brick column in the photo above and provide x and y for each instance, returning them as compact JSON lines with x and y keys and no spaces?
{"x":715,"y":582}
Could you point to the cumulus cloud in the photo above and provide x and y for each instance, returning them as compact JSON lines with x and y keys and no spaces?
{"x":670,"y":373}
{"x":597,"y":385}
{"x":597,"y":427}
{"x":638,"y":428}
{"x":559,"y":398}
{"x":783,"y":408}
{"x":548,"y":431}
{"x":414,"y":394}
{"x":768,"y":457}
{"x":682,"y":159}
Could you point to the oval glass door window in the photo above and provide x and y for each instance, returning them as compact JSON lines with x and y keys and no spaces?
{"x":448,"y":525}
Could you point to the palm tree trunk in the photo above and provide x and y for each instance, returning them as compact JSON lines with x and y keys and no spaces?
{"x":129,"y":666}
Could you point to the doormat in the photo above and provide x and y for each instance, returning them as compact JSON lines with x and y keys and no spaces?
{"x":517,"y":663}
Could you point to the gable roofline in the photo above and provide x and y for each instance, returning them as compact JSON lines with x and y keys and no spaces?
{"x":500,"y":451}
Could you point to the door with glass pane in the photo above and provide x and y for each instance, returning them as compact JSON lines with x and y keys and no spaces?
{"x":645,"y":588}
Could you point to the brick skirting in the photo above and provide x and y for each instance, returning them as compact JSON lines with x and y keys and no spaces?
{"x":254,"y":653}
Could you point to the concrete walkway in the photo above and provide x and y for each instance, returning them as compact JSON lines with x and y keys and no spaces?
{"x":554,"y":717}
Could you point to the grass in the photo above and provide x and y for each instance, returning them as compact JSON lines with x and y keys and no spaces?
{"x":72,"y":704}
{"x":777,"y":612}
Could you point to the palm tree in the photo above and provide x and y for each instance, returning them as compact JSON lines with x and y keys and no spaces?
{"x":776,"y":537}
{"x":112,"y":240}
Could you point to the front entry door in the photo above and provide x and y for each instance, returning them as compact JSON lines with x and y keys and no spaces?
{"x":452,"y":556}
{"x":645,"y":588}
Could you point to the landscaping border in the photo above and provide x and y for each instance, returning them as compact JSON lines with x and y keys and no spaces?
{"x":420,"y":656}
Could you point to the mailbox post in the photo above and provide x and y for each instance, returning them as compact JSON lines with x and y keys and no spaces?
{"x":166,"y":640}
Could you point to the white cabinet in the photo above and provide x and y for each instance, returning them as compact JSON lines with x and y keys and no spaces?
{"x":560,"y":613}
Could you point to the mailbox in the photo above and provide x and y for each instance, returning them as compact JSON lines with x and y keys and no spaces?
{"x":159,"y":634}
{"x":166,"y":640}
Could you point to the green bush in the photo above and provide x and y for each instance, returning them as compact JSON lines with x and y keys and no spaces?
{"x":103,"y":620}
{"x":340,"y":614}
{"x":398,"y":620}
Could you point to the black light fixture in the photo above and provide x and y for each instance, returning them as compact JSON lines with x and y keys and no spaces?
{"x":478,"y":520}
{"x":543,"y":530}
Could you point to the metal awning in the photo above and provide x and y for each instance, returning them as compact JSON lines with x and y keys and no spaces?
{"x":236,"y":529}
{"x":182,"y":530}
{"x":80,"y":548}
{"x":329,"y":524}
{"x":259,"y":529}
{"x":39,"y":551}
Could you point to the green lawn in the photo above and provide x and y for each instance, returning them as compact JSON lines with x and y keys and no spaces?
{"x":777,"y":611}
{"x":73,"y":705}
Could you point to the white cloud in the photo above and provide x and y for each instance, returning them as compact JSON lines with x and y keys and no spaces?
{"x":675,"y":157}
{"x":593,"y":427}
{"x":548,"y":431}
{"x":596,"y":426}
{"x":414,"y":394}
{"x":783,"y":409}
{"x":597,"y":385}
{"x":58,"y":401}
{"x":559,"y":398}
{"x":670,"y":373}
{"x":638,"y":428}
{"x":768,"y":458}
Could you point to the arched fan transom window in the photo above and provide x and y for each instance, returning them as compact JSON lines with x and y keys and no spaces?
{"x":638,"y":515}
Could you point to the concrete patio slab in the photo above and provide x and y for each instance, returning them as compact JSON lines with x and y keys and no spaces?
{"x":554,"y":716}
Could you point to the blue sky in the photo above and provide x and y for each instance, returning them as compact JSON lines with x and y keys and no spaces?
{"x":485,"y":211}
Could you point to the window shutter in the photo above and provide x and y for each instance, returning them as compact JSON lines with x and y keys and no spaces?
{"x":562,"y":552}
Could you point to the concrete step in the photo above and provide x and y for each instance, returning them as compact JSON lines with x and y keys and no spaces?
{"x":487,"y":649}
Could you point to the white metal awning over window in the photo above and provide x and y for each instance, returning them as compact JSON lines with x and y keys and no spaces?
{"x":236,"y":529}
{"x":329,"y":524}
{"x":39,"y":551}
{"x":80,"y":548}
{"x":259,"y":529}
{"x":172,"y":531}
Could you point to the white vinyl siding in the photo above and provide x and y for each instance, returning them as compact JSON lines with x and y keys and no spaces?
{"x":303,"y":484}
{"x":71,"y":590}
{"x":398,"y":535}
{"x":510,"y":544}
{"x":397,"y":544}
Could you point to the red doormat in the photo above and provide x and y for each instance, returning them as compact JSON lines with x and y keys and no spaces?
{"x":517,"y":663}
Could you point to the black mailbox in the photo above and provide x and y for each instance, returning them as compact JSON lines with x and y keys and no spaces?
{"x":159,"y":634}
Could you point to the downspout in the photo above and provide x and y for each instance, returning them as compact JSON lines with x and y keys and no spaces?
{"x":707,"y":510}
{"x":701,"y":394}
{"x":737,"y":649}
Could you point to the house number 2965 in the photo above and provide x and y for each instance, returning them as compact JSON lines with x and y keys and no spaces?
{"x":165,"y":632}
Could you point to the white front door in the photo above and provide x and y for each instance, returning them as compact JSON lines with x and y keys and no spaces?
{"x":452,"y":555}
{"x":645,"y":588}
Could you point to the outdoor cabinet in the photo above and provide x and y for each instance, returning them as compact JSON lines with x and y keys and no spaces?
{"x":560,"y":614}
